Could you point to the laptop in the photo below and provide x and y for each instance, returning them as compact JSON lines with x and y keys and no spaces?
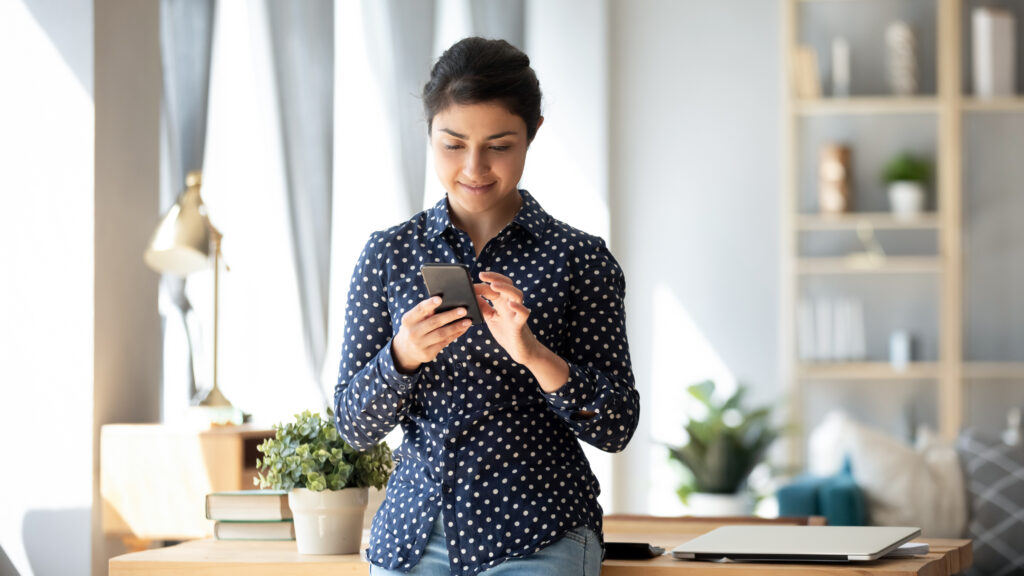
{"x":774,"y":543}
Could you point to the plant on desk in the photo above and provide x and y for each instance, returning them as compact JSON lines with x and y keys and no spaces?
{"x":724,"y":444}
{"x":326,"y":479}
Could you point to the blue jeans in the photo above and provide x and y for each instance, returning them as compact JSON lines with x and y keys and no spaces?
{"x":578,"y":553}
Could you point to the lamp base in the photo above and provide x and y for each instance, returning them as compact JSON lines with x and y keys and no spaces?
{"x":211,"y":407}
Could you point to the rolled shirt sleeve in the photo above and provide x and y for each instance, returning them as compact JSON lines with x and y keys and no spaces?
{"x":371,"y":394}
{"x":599,"y":401}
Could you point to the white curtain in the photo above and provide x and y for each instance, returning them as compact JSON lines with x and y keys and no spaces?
{"x":302,"y":37}
{"x":186,"y":43}
{"x":264,"y":361}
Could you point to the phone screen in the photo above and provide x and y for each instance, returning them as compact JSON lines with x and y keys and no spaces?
{"x":455,"y":287}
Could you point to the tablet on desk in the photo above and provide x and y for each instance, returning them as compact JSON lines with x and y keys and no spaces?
{"x":768,"y":543}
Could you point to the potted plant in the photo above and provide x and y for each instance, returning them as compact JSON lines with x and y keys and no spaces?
{"x":906,"y":176}
{"x":326,"y":480}
{"x":724,"y":443}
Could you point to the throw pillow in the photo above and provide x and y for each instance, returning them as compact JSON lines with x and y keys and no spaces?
{"x":903,"y":485}
{"x":994,"y":474}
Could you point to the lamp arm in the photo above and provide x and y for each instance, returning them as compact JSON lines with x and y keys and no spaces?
{"x":193,"y":380}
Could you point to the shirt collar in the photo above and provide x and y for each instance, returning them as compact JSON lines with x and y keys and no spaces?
{"x":531,"y":216}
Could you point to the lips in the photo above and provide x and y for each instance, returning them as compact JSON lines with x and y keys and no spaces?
{"x":476,"y":188}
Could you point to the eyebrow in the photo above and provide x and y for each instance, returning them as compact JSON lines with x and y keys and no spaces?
{"x":491,"y":137}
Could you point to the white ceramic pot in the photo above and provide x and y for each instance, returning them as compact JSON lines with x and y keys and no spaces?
{"x":707,"y":504}
{"x":328,"y":522}
{"x":906,"y":199}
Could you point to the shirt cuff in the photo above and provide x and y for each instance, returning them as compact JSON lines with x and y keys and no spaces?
{"x":577,"y":392}
{"x":397,"y":381}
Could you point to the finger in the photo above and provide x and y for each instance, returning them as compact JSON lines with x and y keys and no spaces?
{"x":518,"y":307}
{"x":486,"y":291}
{"x":442,"y":337}
{"x":422,"y":310}
{"x":486,"y":309}
{"x":507,"y":289}
{"x":440,"y":319}
{"x":488,"y":276}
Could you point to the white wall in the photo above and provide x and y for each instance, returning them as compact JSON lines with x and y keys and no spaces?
{"x":694,"y":162}
{"x":695,"y":158}
{"x":46,"y":286}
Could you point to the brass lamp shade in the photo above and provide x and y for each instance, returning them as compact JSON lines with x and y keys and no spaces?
{"x":182,"y":242}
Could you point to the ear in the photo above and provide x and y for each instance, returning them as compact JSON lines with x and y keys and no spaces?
{"x":540,"y":121}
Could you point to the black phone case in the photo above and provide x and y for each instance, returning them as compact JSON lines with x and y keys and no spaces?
{"x":631,"y":551}
{"x":452,"y":283}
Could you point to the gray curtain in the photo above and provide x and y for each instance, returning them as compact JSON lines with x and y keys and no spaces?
{"x":186,"y":44}
{"x":499,"y":19}
{"x":400,"y":34}
{"x":302,"y":38}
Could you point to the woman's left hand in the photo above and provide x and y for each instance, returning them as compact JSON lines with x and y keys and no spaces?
{"x":506,"y":316}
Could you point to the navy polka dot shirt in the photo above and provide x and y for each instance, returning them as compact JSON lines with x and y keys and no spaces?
{"x":482,"y":442}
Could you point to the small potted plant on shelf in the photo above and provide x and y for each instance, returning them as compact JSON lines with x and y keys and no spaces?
{"x":906,"y":176}
{"x":724,"y":444}
{"x":326,"y":480}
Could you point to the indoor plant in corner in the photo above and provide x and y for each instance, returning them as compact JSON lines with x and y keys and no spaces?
{"x":724,"y":444}
{"x":326,"y":480}
{"x":906,"y":176}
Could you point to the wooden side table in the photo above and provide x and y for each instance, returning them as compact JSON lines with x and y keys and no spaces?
{"x":154,"y":478}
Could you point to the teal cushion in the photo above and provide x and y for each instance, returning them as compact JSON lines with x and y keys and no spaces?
{"x":800,"y":497}
{"x":841,"y":501}
{"x":835,"y":497}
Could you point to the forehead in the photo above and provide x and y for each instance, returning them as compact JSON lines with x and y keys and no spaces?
{"x":480,"y":119}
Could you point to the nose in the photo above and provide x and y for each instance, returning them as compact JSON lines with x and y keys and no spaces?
{"x":476,"y":164}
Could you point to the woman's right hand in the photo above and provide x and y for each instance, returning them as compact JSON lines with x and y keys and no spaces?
{"x":423,"y":334}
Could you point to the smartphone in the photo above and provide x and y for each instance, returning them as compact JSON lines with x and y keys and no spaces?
{"x":452,"y":283}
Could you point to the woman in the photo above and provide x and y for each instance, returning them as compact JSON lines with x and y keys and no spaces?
{"x":490,"y":473}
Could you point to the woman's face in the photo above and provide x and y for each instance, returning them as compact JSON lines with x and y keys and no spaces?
{"x":479,"y":154}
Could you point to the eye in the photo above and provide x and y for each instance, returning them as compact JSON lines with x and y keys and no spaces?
{"x":452,"y":146}
{"x":502,"y":148}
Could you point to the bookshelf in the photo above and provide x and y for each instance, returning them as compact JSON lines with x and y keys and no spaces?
{"x":940,"y":271}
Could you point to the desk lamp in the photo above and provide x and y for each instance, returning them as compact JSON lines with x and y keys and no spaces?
{"x":182,"y":244}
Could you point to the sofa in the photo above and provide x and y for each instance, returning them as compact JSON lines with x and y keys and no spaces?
{"x":973,"y":488}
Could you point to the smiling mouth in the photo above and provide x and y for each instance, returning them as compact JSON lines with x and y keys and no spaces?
{"x":476,"y":189}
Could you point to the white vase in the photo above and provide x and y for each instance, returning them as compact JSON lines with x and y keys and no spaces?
{"x":906,"y":198}
{"x":708,"y":504}
{"x":328,"y":522}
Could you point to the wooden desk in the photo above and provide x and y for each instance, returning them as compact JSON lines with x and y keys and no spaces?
{"x":226,"y":558}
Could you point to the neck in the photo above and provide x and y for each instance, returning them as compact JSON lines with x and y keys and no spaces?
{"x":482,"y":227}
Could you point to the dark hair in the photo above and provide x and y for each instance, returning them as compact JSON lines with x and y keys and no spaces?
{"x":476,"y":70}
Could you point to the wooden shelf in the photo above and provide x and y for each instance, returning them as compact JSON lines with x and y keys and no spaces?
{"x":886,"y":265}
{"x":866,"y":105}
{"x":1009,"y":104}
{"x":866,"y":371}
{"x":877,"y":220}
{"x":994,"y":370}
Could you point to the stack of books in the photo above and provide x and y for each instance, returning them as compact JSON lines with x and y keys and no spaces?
{"x":250,"y":515}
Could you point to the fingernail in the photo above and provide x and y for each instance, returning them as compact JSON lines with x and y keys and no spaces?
{"x":467,"y":323}
{"x":461,"y":312}
{"x":435,"y":300}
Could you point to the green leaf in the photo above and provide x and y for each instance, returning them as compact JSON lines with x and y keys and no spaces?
{"x":703,"y":391}
{"x":310,"y":453}
{"x":718,"y":457}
